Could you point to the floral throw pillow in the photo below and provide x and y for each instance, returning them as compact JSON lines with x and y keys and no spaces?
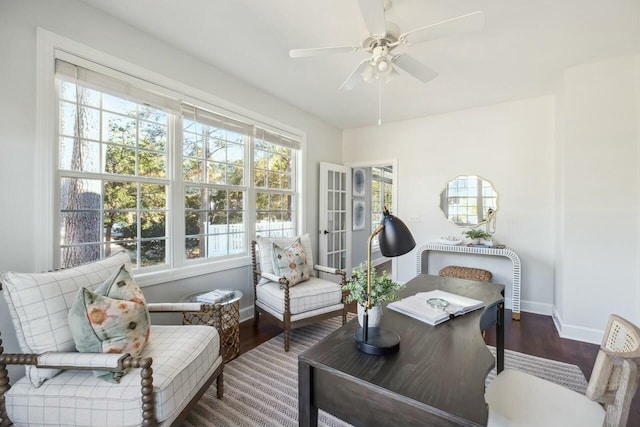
{"x":112,"y":319}
{"x":291,"y":262}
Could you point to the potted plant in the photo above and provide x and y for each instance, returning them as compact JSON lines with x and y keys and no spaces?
{"x":383,"y":289}
{"x":476,"y":235}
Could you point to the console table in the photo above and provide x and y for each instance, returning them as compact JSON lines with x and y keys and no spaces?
{"x":422,"y":263}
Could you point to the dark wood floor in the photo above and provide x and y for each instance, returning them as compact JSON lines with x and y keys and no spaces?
{"x":534,"y":334}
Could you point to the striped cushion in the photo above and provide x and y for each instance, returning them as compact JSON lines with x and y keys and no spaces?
{"x":306,"y":296}
{"x":39,"y":303}
{"x":184,"y":357}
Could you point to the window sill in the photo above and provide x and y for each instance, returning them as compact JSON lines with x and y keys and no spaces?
{"x":185,"y":272}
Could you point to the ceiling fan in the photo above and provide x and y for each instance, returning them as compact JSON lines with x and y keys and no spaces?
{"x":384,"y":37}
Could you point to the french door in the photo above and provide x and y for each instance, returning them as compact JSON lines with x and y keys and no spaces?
{"x":334,"y":240}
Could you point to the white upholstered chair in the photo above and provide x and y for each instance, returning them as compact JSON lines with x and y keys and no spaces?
{"x":294,"y":306}
{"x":519,"y":399}
{"x":175,"y":368}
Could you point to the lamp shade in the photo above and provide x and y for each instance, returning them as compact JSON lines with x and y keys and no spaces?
{"x":395,"y":239}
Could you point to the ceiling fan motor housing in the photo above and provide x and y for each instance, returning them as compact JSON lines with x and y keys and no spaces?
{"x":390,"y":38}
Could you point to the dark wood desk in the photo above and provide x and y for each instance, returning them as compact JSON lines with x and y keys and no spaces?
{"x":435,"y":379}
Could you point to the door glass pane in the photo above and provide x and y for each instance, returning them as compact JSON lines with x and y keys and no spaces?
{"x":330,"y":180}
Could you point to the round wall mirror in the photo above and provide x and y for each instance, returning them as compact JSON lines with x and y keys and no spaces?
{"x":466,"y":200}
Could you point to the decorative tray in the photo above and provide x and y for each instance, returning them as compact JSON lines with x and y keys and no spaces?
{"x":449,"y":240}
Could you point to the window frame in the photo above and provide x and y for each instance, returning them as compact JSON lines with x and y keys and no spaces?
{"x":384,"y":184}
{"x":104,"y":177}
{"x":51,"y":46}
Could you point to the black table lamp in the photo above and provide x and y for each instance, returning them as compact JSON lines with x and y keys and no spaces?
{"x":395,"y":239}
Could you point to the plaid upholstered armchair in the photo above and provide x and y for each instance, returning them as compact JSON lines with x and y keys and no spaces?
{"x":286,"y":289}
{"x":175,"y":367}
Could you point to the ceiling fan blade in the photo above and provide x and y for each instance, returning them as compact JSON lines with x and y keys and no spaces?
{"x":373,"y":14}
{"x":411,"y":66}
{"x":466,"y":23}
{"x":355,"y":77}
{"x":321,"y":51}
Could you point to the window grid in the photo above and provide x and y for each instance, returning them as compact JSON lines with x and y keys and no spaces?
{"x":113,"y":153}
{"x":381,"y":194}
{"x":112,"y":169}
{"x":274,"y":181}
{"x":215,"y":220}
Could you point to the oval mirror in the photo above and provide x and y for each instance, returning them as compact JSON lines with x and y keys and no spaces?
{"x":466,"y":200}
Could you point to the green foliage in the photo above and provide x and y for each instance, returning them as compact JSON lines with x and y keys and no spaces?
{"x":476,"y":234}
{"x":382,"y":287}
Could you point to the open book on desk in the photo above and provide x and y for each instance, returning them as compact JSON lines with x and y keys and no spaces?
{"x":417,"y":307}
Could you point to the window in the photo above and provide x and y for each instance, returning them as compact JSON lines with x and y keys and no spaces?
{"x":121,"y":182}
{"x":381,"y":193}
{"x":213,"y":169}
{"x":112,"y":163}
{"x":274,"y":178}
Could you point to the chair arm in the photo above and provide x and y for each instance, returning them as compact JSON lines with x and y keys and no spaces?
{"x":271,"y":276}
{"x":69,"y":360}
{"x":84,"y":361}
{"x":184,"y":307}
{"x":329,"y":270}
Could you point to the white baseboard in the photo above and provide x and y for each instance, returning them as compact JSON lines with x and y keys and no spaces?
{"x":246,"y":313}
{"x":577,"y":333}
{"x":536,"y":307}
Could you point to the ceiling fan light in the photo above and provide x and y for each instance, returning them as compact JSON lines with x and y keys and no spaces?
{"x":369,"y":74}
{"x":383,"y":66}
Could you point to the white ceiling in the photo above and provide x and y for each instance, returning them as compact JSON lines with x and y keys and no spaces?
{"x":520,"y":53}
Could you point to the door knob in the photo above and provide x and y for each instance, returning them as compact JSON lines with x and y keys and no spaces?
{"x":326,"y":232}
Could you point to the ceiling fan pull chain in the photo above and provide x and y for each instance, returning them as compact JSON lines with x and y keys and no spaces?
{"x":379,"y":101}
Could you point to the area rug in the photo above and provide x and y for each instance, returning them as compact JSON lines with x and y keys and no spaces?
{"x":261,"y":386}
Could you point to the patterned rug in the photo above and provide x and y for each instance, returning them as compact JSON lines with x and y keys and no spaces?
{"x":261,"y":386}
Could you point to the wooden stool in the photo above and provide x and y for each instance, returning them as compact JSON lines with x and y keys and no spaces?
{"x":466,"y":273}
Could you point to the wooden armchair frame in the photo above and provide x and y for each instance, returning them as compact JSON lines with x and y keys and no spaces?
{"x":126,"y":361}
{"x":519,"y":398}
{"x":616,"y":372}
{"x":285,"y":323}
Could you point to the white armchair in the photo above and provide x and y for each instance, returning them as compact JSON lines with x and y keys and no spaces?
{"x":310,"y":301}
{"x":519,"y":399}
{"x":175,"y":367}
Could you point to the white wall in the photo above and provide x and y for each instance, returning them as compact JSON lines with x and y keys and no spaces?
{"x":81,"y":23}
{"x":567,"y":171}
{"x":510,"y":144}
{"x":599,"y":203}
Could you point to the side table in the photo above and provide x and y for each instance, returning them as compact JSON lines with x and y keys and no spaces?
{"x":229,"y":320}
